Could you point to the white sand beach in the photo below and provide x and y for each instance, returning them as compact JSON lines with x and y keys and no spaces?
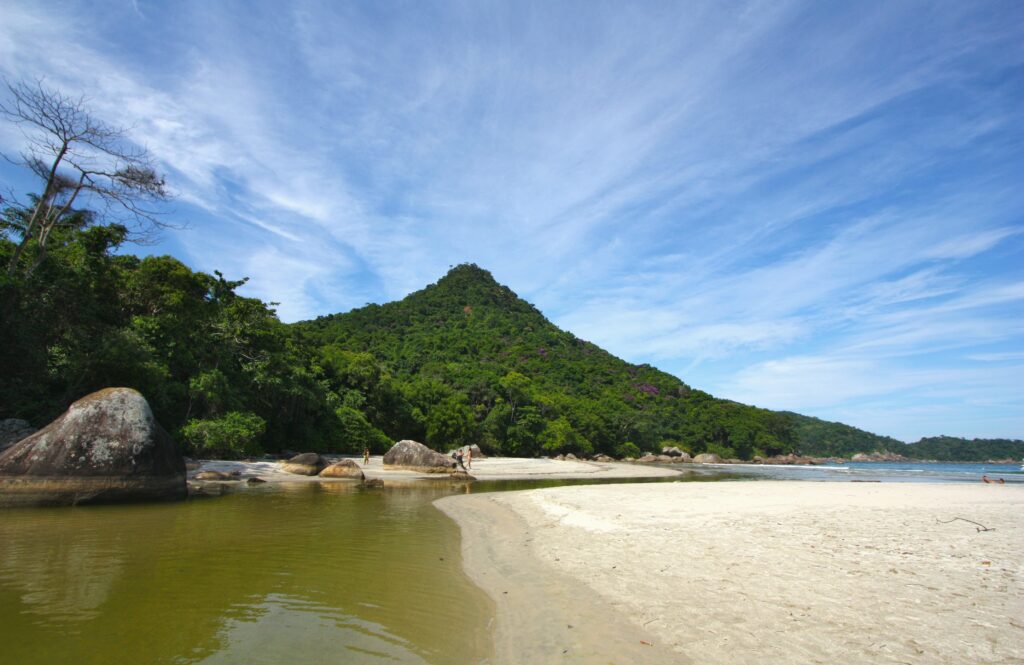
{"x":750,"y":572}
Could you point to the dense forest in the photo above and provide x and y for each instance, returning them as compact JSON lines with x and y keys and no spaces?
{"x":464,"y":360}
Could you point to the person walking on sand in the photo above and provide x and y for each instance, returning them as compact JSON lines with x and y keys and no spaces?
{"x":469,"y":457}
{"x":366,"y":455}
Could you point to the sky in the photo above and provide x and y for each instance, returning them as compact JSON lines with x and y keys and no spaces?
{"x":813,"y":206}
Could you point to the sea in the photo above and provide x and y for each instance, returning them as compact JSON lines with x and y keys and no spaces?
{"x":885,"y":472}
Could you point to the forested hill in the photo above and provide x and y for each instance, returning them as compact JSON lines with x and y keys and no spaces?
{"x":822,"y":438}
{"x":465,"y":360}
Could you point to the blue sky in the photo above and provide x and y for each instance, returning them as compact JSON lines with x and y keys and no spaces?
{"x":816,"y":206}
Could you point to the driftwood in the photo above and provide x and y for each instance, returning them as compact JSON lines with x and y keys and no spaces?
{"x":980,"y":527}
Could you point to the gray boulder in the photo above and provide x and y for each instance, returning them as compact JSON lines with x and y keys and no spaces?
{"x":13,"y":430}
{"x":345,"y":468}
{"x":107,"y":447}
{"x":306,"y":464}
{"x":415,"y":456}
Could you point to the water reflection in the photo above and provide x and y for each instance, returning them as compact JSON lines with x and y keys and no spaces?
{"x":296,"y":574}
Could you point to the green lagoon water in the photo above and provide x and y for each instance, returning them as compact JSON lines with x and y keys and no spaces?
{"x":311,"y":573}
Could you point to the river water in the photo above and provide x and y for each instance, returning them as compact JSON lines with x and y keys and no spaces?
{"x":297,"y":573}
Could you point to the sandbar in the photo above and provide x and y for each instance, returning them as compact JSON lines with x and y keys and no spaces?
{"x":750,"y":572}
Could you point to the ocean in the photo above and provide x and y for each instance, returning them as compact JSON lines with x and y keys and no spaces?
{"x":886,"y":472}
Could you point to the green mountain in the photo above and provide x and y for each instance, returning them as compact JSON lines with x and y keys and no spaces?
{"x":951,"y":448}
{"x":823,"y":438}
{"x":466,"y":360}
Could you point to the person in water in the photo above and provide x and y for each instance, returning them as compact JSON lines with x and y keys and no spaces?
{"x":999,"y":481}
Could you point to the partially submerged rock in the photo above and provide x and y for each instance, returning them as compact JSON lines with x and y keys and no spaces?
{"x":107,"y":447}
{"x":707,"y":458}
{"x":218,"y":475}
{"x":415,"y":456}
{"x":13,"y":430}
{"x":345,"y":468}
{"x":306,"y":464}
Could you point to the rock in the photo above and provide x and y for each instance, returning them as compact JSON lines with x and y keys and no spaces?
{"x":306,"y":464}
{"x":217,"y":475}
{"x":373,"y":482}
{"x":571,"y":457}
{"x":107,"y":447}
{"x":664,"y":459}
{"x":560,"y":458}
{"x":685,"y":457}
{"x":603,"y":458}
{"x":13,"y":430}
{"x":648,"y":458}
{"x":255,"y":481}
{"x":672,"y":451}
{"x":413,"y":455}
{"x":346,"y":468}
{"x":707,"y":458}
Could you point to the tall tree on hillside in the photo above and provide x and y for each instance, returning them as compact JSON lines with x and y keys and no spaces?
{"x":80,"y":160}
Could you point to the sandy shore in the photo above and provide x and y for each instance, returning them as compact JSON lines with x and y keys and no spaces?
{"x":750,"y":572}
{"x":490,"y":468}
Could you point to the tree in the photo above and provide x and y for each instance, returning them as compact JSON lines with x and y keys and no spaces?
{"x":79,"y":159}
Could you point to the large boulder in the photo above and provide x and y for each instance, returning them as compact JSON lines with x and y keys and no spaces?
{"x":707,"y":458}
{"x":345,"y":468}
{"x":107,"y":447}
{"x":646,"y":459}
{"x":13,"y":430}
{"x":417,"y":457}
{"x":306,"y":464}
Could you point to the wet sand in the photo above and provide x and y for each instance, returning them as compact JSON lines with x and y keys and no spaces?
{"x":750,"y":572}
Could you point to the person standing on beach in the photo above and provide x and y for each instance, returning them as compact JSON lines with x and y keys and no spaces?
{"x":366,"y":455}
{"x":469,"y":457}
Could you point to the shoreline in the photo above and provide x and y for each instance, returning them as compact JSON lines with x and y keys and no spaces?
{"x":487,"y":468}
{"x":759,"y":571}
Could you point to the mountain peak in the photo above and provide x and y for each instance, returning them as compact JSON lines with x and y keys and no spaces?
{"x":468,"y":273}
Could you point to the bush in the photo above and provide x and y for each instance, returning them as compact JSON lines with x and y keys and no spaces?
{"x":235,"y":434}
{"x":356,"y":432}
{"x":627,"y":449}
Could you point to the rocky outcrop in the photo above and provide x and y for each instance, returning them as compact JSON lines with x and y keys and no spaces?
{"x":345,"y":468}
{"x":878,"y":457}
{"x":475,"y":449}
{"x":13,"y":430}
{"x":648,"y":458}
{"x":305,"y":464}
{"x":107,"y":447}
{"x":415,"y":456}
{"x":672,"y":451}
{"x":707,"y":458}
